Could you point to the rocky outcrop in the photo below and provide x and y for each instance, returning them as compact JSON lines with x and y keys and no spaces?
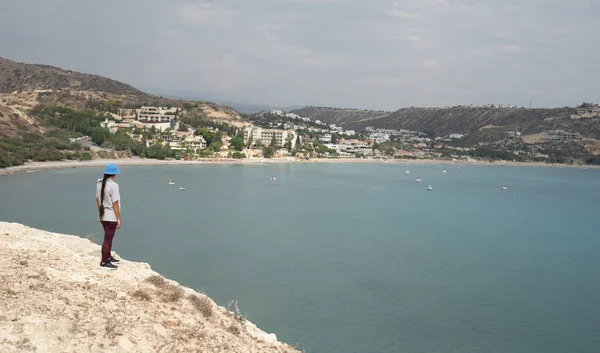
{"x":55,"y":298}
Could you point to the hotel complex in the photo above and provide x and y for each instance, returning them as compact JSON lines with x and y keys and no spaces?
{"x":265,"y":136}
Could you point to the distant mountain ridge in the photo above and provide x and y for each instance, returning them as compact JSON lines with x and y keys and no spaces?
{"x":239,"y":104}
{"x":482,"y":124}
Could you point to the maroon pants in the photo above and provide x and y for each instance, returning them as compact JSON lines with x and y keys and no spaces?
{"x":109,"y":232}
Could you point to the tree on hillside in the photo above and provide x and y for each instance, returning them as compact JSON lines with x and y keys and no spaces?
{"x":268,"y":151}
{"x":183,"y":127}
{"x":334,"y":138}
{"x":121,"y":141}
{"x":215,"y":146}
{"x":189,"y":106}
{"x":237,"y":143}
{"x":238,"y":155}
{"x":100,"y":135}
{"x":288,"y":143}
{"x":274,"y":141}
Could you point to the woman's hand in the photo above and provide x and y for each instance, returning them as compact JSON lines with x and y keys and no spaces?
{"x":119,"y":223}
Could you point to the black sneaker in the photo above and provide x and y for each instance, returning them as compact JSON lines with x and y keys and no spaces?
{"x":107,"y":265}
{"x":113,"y":260}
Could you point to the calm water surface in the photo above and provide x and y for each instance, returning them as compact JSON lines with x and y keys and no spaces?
{"x":360,"y":258}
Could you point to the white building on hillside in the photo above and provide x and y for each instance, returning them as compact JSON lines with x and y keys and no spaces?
{"x":266,"y":136}
{"x":325,"y":138}
{"x":355,"y":146}
{"x":379,"y":137}
{"x":494,"y":105}
{"x":591,"y":110}
{"x":334,"y":147}
{"x":161,"y":118}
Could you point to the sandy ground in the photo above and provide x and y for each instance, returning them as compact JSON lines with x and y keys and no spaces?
{"x":55,"y":298}
{"x":40,"y":166}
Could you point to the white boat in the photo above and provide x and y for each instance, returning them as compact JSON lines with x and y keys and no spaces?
{"x":182,"y":189}
{"x":445,"y":171}
{"x":419,"y":180}
{"x":171,"y":182}
{"x":429,"y":188}
{"x":273,"y":178}
{"x":504,"y":188}
{"x":408,"y":172}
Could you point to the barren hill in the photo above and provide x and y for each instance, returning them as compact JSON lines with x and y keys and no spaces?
{"x":339,"y":116}
{"x":15,"y":76}
{"x":24,"y":86}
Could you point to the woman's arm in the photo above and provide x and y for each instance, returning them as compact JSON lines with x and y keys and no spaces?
{"x":98,"y":205}
{"x":117,"y":213}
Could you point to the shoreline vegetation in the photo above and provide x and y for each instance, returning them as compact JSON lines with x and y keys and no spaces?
{"x":53,"y":305}
{"x":54,"y":165}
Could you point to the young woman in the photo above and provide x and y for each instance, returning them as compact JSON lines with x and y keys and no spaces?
{"x":108,"y":202}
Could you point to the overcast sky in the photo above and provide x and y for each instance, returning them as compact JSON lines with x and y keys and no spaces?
{"x":378,"y":54}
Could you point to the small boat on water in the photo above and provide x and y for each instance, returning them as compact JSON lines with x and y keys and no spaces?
{"x":429,"y":188}
{"x":273,"y":178}
{"x":419,"y":180}
{"x":182,"y":189}
{"x":171,"y":182}
{"x":444,"y":171}
{"x":504,"y":188}
{"x":408,"y":172}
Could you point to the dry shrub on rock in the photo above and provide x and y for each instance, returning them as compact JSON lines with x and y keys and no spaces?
{"x":141,"y":295}
{"x":172,"y":293}
{"x":234,"y":329}
{"x":202,"y":304}
{"x":157,"y":281}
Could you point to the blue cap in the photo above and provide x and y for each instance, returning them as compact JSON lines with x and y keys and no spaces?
{"x":111,"y":169}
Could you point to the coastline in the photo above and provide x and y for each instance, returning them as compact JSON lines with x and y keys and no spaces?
{"x":54,"y":165}
{"x":58,"y":306}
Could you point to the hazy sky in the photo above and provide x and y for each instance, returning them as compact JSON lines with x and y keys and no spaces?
{"x":378,"y":54}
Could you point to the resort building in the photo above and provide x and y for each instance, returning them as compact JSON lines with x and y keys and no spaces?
{"x":161,"y":117}
{"x":266,"y":136}
{"x":355,"y":146}
{"x":193,"y":143}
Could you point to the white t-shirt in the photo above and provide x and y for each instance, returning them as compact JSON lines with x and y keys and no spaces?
{"x":111,"y":194}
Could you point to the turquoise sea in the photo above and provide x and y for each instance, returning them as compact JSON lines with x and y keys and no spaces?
{"x":359,"y":257}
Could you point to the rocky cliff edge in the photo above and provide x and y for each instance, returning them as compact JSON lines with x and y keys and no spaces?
{"x":55,"y":298}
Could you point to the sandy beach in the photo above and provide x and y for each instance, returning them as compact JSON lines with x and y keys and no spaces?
{"x":41,"y":166}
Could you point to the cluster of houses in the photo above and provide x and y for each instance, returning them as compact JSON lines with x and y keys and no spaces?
{"x":286,"y":134}
{"x":323,"y":127}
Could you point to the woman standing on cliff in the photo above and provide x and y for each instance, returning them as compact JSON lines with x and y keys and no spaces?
{"x":108,"y":202}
